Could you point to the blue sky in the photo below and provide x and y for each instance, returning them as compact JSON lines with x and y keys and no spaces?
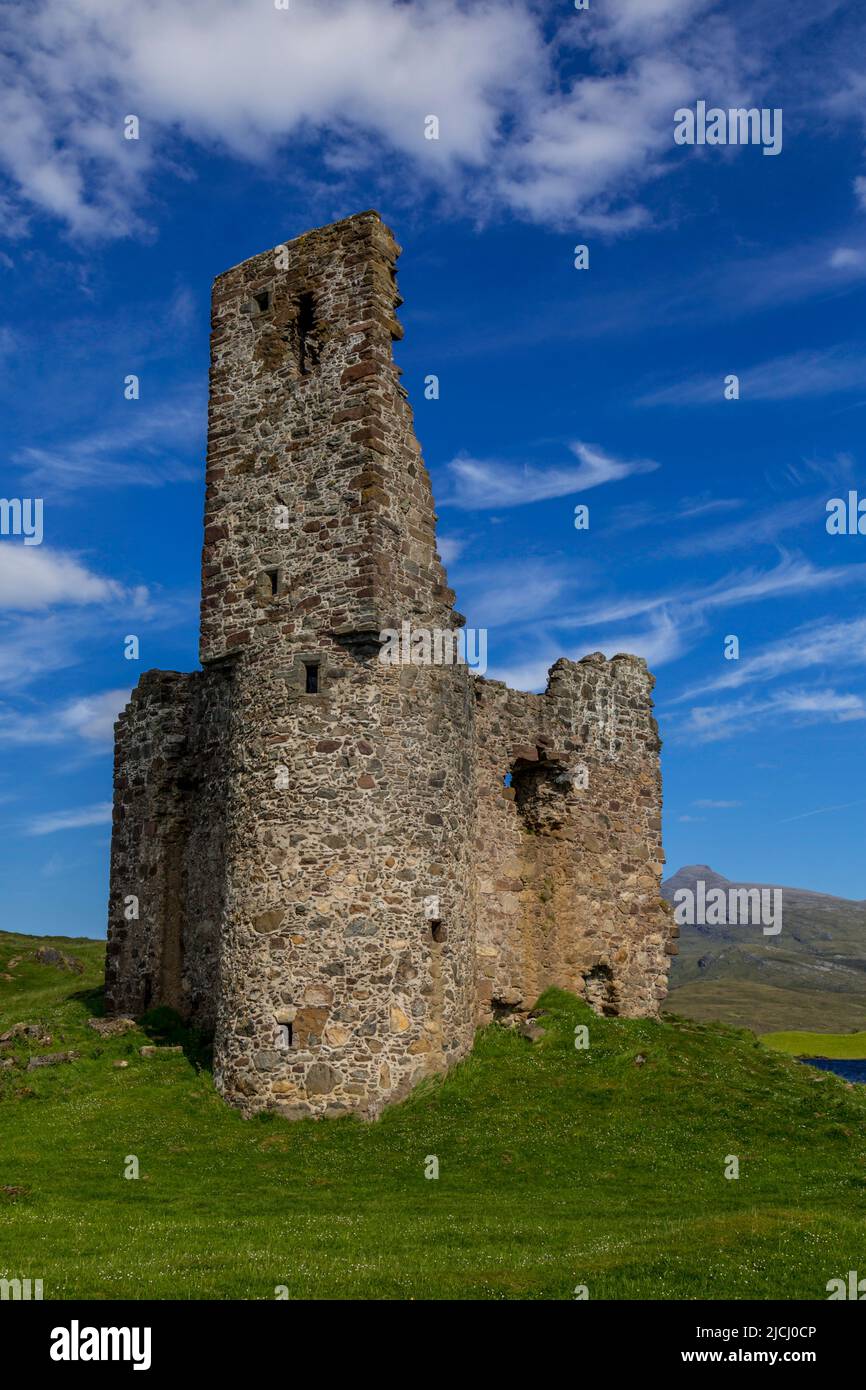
{"x":557,"y":386}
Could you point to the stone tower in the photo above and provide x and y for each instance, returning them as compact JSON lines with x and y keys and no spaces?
{"x":315,"y":853}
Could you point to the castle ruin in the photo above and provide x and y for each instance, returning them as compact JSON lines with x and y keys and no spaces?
{"x":342,"y":867}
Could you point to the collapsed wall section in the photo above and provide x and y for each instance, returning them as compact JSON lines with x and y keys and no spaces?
{"x":147,"y":901}
{"x":569,"y":855}
{"x":167,"y":862}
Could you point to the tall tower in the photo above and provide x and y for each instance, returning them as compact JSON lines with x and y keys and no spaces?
{"x":339,"y":864}
{"x":348,"y":797}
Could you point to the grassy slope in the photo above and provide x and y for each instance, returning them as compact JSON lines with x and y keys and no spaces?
{"x":558,"y":1168}
{"x":767,"y":1008}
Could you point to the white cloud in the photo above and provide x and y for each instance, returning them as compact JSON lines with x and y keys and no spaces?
{"x":860,"y":190}
{"x":100,"y":814}
{"x":89,"y":720}
{"x":34,"y":577}
{"x":487,"y":483}
{"x":92,"y":717}
{"x":450,"y":548}
{"x":241,"y":75}
{"x":662,"y":640}
{"x":93,"y":616}
{"x":847,"y":258}
{"x":358,"y":77}
{"x":529,"y":674}
{"x":518,"y":592}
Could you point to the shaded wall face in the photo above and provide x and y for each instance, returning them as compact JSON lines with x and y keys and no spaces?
{"x":204,"y":783}
{"x":167,"y":854}
{"x":146,"y":906}
{"x":349,"y":815}
{"x":569,"y":855}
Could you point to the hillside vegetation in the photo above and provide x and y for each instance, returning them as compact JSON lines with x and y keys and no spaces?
{"x":851,"y":1046}
{"x":557,"y":1167}
{"x":811,"y":975}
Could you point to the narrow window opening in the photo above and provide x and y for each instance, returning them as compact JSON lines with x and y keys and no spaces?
{"x":311,"y":669}
{"x":287,"y":1035}
{"x":263,"y":301}
{"x":272,"y":577}
{"x":308,"y":351}
{"x":437,"y":931}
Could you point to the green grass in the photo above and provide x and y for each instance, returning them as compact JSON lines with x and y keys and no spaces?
{"x":557,"y":1168}
{"x":766,"y":1008}
{"x":840,"y":1045}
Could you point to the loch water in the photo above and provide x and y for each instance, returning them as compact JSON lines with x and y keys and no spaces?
{"x":852,"y":1069}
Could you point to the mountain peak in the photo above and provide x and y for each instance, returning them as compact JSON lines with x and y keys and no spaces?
{"x":690,"y":874}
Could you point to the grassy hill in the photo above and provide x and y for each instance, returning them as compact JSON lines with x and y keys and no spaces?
{"x":811,"y":976}
{"x":558,"y":1167}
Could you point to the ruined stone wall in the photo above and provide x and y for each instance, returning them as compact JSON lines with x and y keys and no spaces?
{"x":149,"y":832}
{"x":569,"y":874}
{"x":167,"y":851}
{"x":204,"y":783}
{"x":330,"y":871}
{"x":349,"y":809}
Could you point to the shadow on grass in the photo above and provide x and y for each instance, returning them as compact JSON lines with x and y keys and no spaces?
{"x":166,"y":1028}
{"x":92,"y":999}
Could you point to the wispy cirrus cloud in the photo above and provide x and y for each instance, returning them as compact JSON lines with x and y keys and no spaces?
{"x":144,"y":448}
{"x":79,"y":818}
{"x":792,"y":575}
{"x":797,"y":375}
{"x":714,"y":723}
{"x":536,"y":600}
{"x":526,"y":590}
{"x":487,"y":483}
{"x":824,"y":810}
{"x":762,"y":526}
{"x":819,"y":643}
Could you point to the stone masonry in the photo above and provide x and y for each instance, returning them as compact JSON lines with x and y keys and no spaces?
{"x":341,"y":867}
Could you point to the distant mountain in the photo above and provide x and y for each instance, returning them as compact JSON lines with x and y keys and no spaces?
{"x":812,"y":975}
